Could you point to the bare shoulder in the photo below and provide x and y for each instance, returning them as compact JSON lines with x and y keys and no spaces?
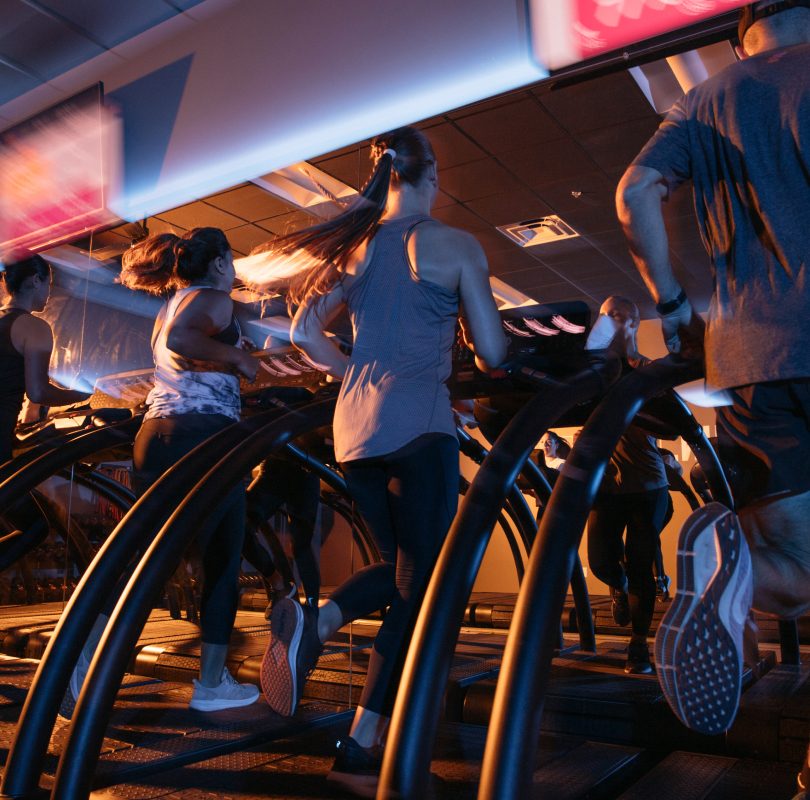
{"x":443,"y":254}
{"x":436,"y":235}
{"x":30,"y":331}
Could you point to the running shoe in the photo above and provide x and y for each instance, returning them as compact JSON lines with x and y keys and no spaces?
{"x":229,"y":694}
{"x":275,"y":596}
{"x":292,"y":653}
{"x":638,"y":659}
{"x":356,"y":769}
{"x":699,"y":643}
{"x":621,"y":608}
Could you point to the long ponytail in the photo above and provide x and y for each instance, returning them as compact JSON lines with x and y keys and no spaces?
{"x":321,"y":252}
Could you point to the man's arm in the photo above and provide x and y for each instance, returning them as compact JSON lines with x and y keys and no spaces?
{"x":639,"y":199}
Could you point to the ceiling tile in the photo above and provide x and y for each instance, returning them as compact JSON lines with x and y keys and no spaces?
{"x":478,"y":179}
{"x":288,"y":223}
{"x":443,"y":200}
{"x":539,"y":276}
{"x":520,"y":205}
{"x":452,"y":147}
{"x":429,"y":122}
{"x":588,"y":265}
{"x":557,"y":252}
{"x":512,"y":260}
{"x":594,"y":188}
{"x":156,"y":225}
{"x":618,"y":145}
{"x":495,"y":242}
{"x":116,"y":23}
{"x":595,"y":219}
{"x":553,"y":161}
{"x":595,"y":103}
{"x":486,"y":105}
{"x":250,"y":203}
{"x":245,"y":238}
{"x":522,"y":124}
{"x":559,"y":293}
{"x":457,"y":216}
{"x":353,"y":168}
{"x":201,"y":215}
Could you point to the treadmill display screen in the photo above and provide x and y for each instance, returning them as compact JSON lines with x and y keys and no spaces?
{"x":55,"y":173}
{"x":567,"y":31}
{"x":555,"y":332}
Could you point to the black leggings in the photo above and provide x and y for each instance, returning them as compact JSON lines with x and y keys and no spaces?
{"x":642,"y":513}
{"x":281,"y":482}
{"x":159,"y":445}
{"x":407,"y":504}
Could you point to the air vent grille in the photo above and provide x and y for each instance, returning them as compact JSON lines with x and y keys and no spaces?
{"x":535,"y":232}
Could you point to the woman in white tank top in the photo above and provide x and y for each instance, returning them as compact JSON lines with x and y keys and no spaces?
{"x":196,"y":343}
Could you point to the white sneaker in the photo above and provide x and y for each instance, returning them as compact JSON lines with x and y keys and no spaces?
{"x":699,"y":643}
{"x":229,"y":694}
{"x":79,"y":674}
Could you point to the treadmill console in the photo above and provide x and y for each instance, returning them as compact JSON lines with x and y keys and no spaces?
{"x":279,"y":366}
{"x":554,"y":332}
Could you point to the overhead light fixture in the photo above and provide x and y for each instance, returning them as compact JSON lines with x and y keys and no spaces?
{"x":536,"y":232}
{"x":308,"y":188}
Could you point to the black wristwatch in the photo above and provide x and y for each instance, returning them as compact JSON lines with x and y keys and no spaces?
{"x":671,"y":305}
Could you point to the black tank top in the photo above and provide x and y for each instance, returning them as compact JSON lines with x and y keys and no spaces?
{"x":12,"y":381}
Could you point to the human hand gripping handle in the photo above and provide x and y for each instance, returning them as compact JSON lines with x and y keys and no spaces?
{"x":683,"y":331}
{"x":246,"y":365}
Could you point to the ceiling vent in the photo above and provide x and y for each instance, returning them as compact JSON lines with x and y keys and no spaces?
{"x":538,"y":231}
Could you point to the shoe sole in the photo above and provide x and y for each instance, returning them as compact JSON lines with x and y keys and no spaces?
{"x":278,"y":673}
{"x":219,"y":705}
{"x":698,"y":655}
{"x":360,"y":785}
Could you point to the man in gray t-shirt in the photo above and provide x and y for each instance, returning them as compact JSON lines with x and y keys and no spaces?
{"x":743,"y":138}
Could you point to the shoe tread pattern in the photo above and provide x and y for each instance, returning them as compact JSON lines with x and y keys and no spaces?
{"x":278,"y":669}
{"x":699,"y":660}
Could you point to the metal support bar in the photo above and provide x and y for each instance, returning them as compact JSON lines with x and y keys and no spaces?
{"x":518,"y":704}
{"x":26,"y":758}
{"x":74,"y":776}
{"x":406,"y":766}
{"x":41,"y":468}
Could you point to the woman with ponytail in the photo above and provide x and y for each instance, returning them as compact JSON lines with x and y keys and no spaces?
{"x":402,"y":275}
{"x":26,"y":344}
{"x":198,"y":358}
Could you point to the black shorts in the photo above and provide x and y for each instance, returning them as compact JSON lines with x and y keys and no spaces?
{"x":765,"y":437}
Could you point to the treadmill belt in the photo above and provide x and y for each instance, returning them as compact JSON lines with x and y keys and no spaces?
{"x":567,"y":768}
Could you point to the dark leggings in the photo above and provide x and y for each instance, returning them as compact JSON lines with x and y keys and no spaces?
{"x":283,"y":483}
{"x":407,"y":504}
{"x":642,"y":513}
{"x":159,"y":445}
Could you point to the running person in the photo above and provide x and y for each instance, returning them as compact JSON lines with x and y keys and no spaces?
{"x":401,"y":274}
{"x":633,"y":496}
{"x":743,"y":138}
{"x":26,"y":344}
{"x":197,"y":359}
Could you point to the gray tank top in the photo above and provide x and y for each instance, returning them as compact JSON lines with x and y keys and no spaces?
{"x":394,"y":389}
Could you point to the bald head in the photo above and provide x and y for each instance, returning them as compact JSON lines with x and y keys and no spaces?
{"x":785,"y":28}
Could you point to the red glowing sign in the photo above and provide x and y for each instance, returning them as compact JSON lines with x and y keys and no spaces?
{"x":55,"y":173}
{"x":567,"y":31}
